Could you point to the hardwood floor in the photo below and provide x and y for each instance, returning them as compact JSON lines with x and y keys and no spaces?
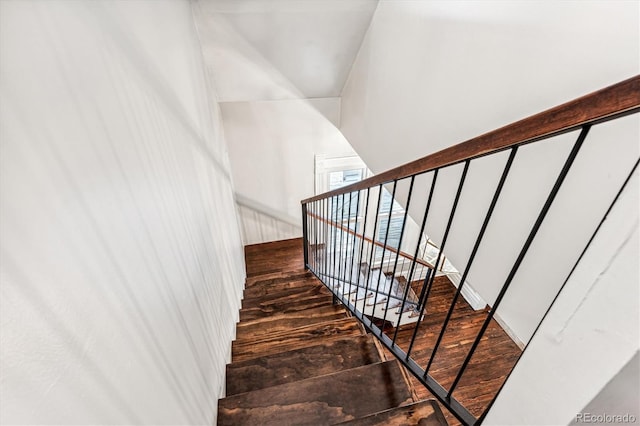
{"x":276,"y":258}
{"x":494,"y":357}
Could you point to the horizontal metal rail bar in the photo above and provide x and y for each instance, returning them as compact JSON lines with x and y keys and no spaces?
{"x":374,"y":242}
{"x":358,"y":285}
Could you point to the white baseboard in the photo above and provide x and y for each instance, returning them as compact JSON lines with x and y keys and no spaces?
{"x":470,"y":295}
{"x":509,"y":331}
{"x":477,"y":302}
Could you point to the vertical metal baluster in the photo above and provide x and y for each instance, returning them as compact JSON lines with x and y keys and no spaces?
{"x":543,"y":213}
{"x":305,"y":236}
{"x":311,"y":224}
{"x":431,"y":274}
{"x":327,"y":256}
{"x":314,"y":235}
{"x":334,"y":212}
{"x":373,"y":246}
{"x":395,"y":265}
{"x":353,"y":244}
{"x":472,"y":256}
{"x":318,"y":239}
{"x":341,"y":255}
{"x":346,"y":248}
{"x":384,"y":246}
{"x":336,"y":257}
{"x":309,"y":235}
{"x":325,"y":212}
{"x":319,"y":225}
{"x":364,"y":230}
{"x":413,"y":263}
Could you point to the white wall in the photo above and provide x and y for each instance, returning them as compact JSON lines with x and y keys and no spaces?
{"x":433,"y":74}
{"x":121,"y":259}
{"x":620,"y":395}
{"x":272,"y":145}
{"x":259,"y":223}
{"x":590,"y":334}
{"x":278,"y":67}
{"x":281,"y":49}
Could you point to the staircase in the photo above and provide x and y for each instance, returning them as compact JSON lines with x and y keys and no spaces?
{"x":298,"y":359}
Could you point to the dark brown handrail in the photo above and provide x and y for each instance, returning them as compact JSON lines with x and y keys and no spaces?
{"x":605,"y":104}
{"x":369,"y":240}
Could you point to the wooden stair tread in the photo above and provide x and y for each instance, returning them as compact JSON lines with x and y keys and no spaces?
{"x":287,"y":296}
{"x":275,"y":315}
{"x":295,"y":338}
{"x":254,"y":329}
{"x":277,"y":278}
{"x":271,"y":287}
{"x":324,"y":400}
{"x":284,"y":307}
{"x":423,"y":413}
{"x":273,"y":257}
{"x":311,"y":361}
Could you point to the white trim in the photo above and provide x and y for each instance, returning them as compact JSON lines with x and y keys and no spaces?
{"x":470,"y":295}
{"x":477,"y":302}
{"x":509,"y":331}
{"x":325,"y":164}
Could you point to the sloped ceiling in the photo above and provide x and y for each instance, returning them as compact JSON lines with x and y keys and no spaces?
{"x":281,"y":49}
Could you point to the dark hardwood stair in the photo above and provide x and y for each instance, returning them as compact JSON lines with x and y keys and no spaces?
{"x":280,"y":287}
{"x":304,"y":363}
{"x":285,"y":305}
{"x":423,"y":413}
{"x":287,"y":296}
{"x":324,"y":400}
{"x":253,"y":329}
{"x":298,"y":359}
{"x":295,"y":339}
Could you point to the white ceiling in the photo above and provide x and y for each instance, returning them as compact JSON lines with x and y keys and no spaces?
{"x":281,"y":49}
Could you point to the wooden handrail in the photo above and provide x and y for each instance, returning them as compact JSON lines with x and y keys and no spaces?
{"x":374,"y":242}
{"x":605,"y":104}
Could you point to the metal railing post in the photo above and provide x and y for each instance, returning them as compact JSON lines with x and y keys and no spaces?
{"x":305,"y":236}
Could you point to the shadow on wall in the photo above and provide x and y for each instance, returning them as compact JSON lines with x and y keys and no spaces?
{"x":261,"y":224}
{"x":274,"y":130}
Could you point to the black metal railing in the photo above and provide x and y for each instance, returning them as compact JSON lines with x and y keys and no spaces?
{"x":390,"y":290}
